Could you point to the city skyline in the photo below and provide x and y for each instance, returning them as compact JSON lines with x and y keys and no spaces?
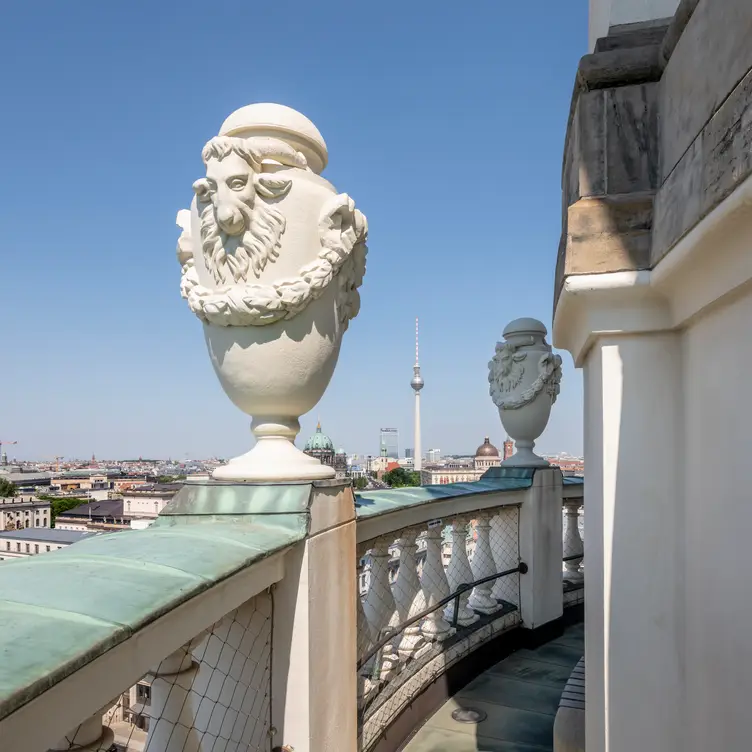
{"x":107,"y":360}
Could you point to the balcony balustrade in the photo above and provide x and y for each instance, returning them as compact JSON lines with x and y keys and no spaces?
{"x":197,"y":609}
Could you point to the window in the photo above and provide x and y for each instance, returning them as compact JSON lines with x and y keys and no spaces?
{"x":36,"y":522}
{"x":28,"y":548}
{"x":18,"y":547}
{"x":26,"y":524}
{"x":44,"y":522}
{"x":36,"y":548}
{"x":47,"y":547}
{"x":7,"y":546}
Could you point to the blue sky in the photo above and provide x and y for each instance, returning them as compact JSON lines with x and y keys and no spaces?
{"x":444,"y":121}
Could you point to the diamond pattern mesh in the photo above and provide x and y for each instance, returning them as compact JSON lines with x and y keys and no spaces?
{"x":212,"y":695}
{"x":412,"y":574}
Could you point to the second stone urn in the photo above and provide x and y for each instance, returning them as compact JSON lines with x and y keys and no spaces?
{"x":524,"y":375}
{"x":272,"y":258}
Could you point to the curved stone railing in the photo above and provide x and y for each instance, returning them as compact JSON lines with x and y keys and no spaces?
{"x":155,"y":640}
{"x":444,"y":570}
{"x":573,"y":574}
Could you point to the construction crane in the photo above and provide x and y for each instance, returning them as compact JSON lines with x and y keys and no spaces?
{"x":5,"y":443}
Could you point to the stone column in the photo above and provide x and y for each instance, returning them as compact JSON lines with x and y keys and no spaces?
{"x":408,"y":595}
{"x":174,"y":704}
{"x":314,"y":677}
{"x":435,"y":587}
{"x":541,"y":550}
{"x":634,"y":608}
{"x":573,"y":540}
{"x":483,"y":566}
{"x":459,"y":573}
{"x":90,"y":736}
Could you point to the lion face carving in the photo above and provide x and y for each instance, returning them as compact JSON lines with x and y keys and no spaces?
{"x":240,"y":230}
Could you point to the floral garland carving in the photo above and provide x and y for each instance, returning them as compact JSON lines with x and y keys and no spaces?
{"x":343,"y":231}
{"x":506,"y":370}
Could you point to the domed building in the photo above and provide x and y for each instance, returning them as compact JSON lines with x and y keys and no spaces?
{"x":486,"y":455}
{"x":462,"y":470}
{"x":321,"y":447}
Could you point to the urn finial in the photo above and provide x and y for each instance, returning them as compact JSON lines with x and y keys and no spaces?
{"x":272,"y":258}
{"x":524,"y":377}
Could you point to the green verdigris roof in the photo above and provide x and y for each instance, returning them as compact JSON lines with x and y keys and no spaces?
{"x":61,"y":610}
{"x":372,"y":503}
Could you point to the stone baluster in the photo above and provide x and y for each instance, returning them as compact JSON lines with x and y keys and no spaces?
{"x":174,"y":704}
{"x":459,"y":573}
{"x":379,"y":606}
{"x":408,"y":595}
{"x":435,"y":587}
{"x":506,"y":555}
{"x":483,"y":566}
{"x":89,"y":736}
{"x":573,"y":540}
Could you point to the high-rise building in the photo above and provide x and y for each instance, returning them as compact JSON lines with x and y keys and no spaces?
{"x":389,"y":442}
{"x":409,"y":454}
{"x":417,"y":385}
{"x":433,"y":455}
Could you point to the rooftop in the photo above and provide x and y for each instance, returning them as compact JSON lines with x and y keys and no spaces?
{"x":45,"y":535}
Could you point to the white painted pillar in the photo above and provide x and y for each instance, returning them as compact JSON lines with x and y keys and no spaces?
{"x":634,"y":534}
{"x":459,"y":573}
{"x":435,"y":587}
{"x":314,"y":677}
{"x":483,"y":566}
{"x":408,"y":595}
{"x":541,"y":550}
{"x":572,"y":540}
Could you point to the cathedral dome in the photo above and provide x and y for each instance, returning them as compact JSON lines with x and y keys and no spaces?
{"x":320,"y":441}
{"x":487,"y":449}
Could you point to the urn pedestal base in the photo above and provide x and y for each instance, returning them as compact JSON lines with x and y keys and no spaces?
{"x":274,"y":458}
{"x":525,"y":456}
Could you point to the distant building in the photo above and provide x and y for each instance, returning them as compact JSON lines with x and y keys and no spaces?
{"x":389,"y":442}
{"x":146,"y":501}
{"x":20,"y":512}
{"x":433,"y":455}
{"x":458,"y":471}
{"x":508,"y":448}
{"x":486,"y":455}
{"x":95,"y":516}
{"x":321,"y":447}
{"x":16,"y":544}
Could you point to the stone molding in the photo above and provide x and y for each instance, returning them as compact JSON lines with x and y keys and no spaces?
{"x":659,"y":134}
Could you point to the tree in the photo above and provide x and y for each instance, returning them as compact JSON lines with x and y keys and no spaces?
{"x":400,"y":478}
{"x":58,"y":506}
{"x":360,"y":483}
{"x":7,"y":488}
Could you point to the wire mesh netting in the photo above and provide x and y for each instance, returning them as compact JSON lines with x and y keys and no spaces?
{"x":211,"y":695}
{"x":573,"y":573}
{"x":426,"y":599}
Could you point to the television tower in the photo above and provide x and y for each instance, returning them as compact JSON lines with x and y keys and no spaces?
{"x":417,"y":385}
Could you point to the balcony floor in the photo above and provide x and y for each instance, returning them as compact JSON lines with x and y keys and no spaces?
{"x":520,"y":695}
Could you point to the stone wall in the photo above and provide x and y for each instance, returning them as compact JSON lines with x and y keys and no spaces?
{"x":660,"y":131}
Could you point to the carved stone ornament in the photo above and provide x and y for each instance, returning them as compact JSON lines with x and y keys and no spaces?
{"x":524,"y":377}
{"x":272,"y":258}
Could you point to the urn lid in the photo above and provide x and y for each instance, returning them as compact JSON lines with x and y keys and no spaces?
{"x":524,"y":326}
{"x":278,"y":121}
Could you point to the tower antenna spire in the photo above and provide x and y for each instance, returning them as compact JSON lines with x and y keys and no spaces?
{"x":416,"y":341}
{"x":417,"y":385}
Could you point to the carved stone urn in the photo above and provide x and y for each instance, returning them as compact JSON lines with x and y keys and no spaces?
{"x":524,"y":375}
{"x":272,"y":258}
